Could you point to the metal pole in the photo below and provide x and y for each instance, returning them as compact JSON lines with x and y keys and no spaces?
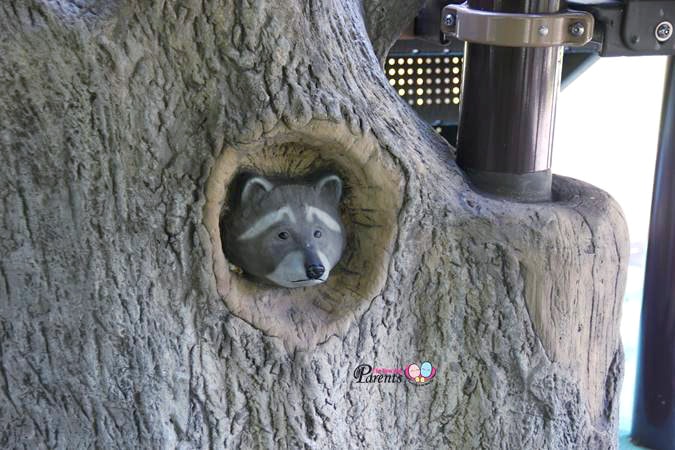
{"x":507,"y":111}
{"x":654,"y":414}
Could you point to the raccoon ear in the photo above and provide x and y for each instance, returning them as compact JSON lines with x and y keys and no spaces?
{"x":253,"y":187}
{"x":331,"y":187}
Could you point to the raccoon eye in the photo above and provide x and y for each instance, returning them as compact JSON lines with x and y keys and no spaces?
{"x":283,"y":235}
{"x":317,"y":234}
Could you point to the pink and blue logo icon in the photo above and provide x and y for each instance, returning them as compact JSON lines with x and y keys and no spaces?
{"x":420,"y":375}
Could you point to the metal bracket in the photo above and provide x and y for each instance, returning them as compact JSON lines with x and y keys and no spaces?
{"x":567,"y":28}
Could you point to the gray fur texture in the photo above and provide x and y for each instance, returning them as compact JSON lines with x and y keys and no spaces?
{"x":288,"y":233}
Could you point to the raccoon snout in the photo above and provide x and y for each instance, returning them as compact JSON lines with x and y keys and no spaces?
{"x":315,"y":271}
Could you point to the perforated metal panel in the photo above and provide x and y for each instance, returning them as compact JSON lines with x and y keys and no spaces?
{"x":430,"y":83}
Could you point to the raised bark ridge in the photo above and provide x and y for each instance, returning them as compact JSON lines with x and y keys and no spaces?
{"x":113,"y":332}
{"x":386,"y":18}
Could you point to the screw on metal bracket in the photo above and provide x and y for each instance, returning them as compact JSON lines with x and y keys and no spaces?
{"x":449,"y":20}
{"x":565,"y":28}
{"x":577,"y":29}
{"x":663,"y":31}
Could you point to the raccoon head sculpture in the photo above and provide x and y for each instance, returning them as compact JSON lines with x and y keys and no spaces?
{"x":287,"y":234}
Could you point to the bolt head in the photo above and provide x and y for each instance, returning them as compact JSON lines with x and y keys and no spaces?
{"x":449,"y":20}
{"x":577,"y":29}
{"x":663,"y":31}
{"x":543,"y":30}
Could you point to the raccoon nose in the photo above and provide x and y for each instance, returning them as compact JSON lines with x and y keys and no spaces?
{"x":314,"y":272}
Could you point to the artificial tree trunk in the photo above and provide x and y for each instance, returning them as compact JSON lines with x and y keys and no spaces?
{"x":121,"y":325}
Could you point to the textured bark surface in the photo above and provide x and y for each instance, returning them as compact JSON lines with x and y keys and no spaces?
{"x":118,"y":328}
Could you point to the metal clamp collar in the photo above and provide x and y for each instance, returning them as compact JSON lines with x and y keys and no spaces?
{"x":568,"y":28}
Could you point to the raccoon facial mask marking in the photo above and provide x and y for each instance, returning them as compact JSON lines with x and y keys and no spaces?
{"x":324,"y":217}
{"x":286,"y":233}
{"x":267,"y":221}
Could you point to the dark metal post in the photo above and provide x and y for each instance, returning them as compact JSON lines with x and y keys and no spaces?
{"x":507,"y":111}
{"x":654,"y":414}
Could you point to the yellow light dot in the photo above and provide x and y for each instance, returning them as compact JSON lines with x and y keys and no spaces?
{"x":446,"y":90}
{"x":455,"y":70}
{"x":401,"y":82}
{"x":438,"y":70}
{"x":438,"y":101}
{"x":429,"y":81}
{"x":446,"y":101}
{"x":410,"y":71}
{"x":401,"y":60}
{"x":455,"y":80}
{"x":392,"y":82}
{"x":428,"y":101}
{"x":428,"y":71}
{"x":420,"y":60}
{"x":420,"y":91}
{"x":391,"y":61}
{"x":428,"y":61}
{"x":420,"y":101}
{"x":455,"y":90}
{"x":401,"y":92}
{"x":455,"y":60}
{"x":401,"y":71}
{"x":455,"y":100}
{"x":437,"y":60}
{"x":446,"y":60}
{"x":392,"y":71}
{"x":446,"y":70}
{"x":410,"y":81}
{"x":409,"y":61}
{"x":420,"y":80}
{"x":420,"y":71}
{"x":446,"y":80}
{"x":429,"y":91}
